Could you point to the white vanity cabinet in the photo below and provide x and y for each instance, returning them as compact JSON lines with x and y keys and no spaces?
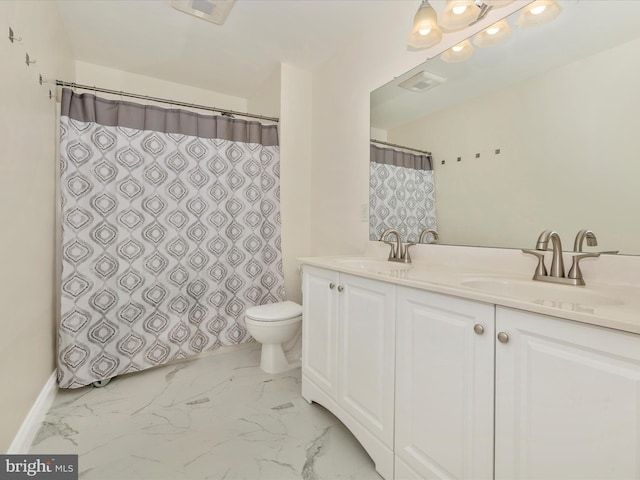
{"x":444,"y":387}
{"x":348,"y":355}
{"x":567,"y":399}
{"x":441,"y":387}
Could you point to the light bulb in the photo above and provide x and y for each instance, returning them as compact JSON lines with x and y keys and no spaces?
{"x":538,"y":13}
{"x":424,"y":31}
{"x":460,"y":9}
{"x":538,"y":10}
{"x":493,"y":35}
{"x":458,"y":53}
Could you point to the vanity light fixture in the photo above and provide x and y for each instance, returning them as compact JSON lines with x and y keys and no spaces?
{"x":538,"y":12}
{"x":458,"y":53}
{"x":458,"y":14}
{"x":495,"y":34}
{"x":425,"y":32}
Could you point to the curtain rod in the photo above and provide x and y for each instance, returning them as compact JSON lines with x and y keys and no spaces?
{"x":61,"y":83}
{"x":373,"y":140}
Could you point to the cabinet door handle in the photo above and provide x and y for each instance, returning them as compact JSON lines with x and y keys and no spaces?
{"x":479,"y":329}
{"x":332,"y":286}
{"x":340,"y":288}
{"x":503,"y":337}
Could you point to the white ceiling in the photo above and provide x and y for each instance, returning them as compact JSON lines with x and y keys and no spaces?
{"x":149,"y":37}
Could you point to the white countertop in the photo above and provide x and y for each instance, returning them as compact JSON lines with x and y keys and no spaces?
{"x":457,"y":270}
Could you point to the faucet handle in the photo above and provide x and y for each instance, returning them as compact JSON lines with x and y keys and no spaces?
{"x":541,"y":270}
{"x":575,"y":272}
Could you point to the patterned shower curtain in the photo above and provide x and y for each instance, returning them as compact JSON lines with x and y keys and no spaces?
{"x":170,"y":231}
{"x":401,"y":193}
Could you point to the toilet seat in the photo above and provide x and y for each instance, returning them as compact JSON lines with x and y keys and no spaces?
{"x":288,"y":321}
{"x":274,"y":312}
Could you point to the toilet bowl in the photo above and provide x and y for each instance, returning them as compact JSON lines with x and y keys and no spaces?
{"x":274,"y":325}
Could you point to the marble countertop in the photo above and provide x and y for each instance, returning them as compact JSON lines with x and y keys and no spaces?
{"x":610,"y":305}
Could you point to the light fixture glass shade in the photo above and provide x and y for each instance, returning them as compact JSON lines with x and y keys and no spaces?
{"x":458,"y":53}
{"x":537,"y":13}
{"x":425,"y":32}
{"x":458,"y":14}
{"x":495,"y":34}
{"x":497,"y":3}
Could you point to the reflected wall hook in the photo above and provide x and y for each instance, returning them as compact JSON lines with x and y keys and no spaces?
{"x":12,"y":36}
{"x":28,"y":60}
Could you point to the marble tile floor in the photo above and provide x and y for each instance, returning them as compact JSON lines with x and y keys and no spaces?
{"x":215,"y":417}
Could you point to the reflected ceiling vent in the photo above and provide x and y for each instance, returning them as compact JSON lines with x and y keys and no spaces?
{"x":422,"y":81}
{"x":214,"y":11}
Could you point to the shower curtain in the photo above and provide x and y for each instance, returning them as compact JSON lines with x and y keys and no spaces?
{"x":170,"y":231}
{"x":401,"y":193}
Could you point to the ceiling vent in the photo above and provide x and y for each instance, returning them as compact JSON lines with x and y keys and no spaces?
{"x":214,"y":11}
{"x":422,"y":81}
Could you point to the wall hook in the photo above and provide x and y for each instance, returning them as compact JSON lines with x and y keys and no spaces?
{"x":28,"y":60}
{"x":12,"y":36}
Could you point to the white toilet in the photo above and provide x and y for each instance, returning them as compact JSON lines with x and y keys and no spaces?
{"x":274,"y":325}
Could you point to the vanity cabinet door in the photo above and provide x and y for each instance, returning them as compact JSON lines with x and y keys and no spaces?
{"x":366,"y":334}
{"x":567,"y":399}
{"x":319,"y":328}
{"x":444,"y":386}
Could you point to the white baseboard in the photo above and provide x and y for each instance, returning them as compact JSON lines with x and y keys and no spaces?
{"x":31,"y":424}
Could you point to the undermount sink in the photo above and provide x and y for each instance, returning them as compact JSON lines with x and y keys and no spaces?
{"x":559,"y":296}
{"x":374,"y":265}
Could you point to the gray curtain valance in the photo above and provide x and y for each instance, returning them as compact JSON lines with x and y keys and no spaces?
{"x":389,"y":156}
{"x":88,"y":108}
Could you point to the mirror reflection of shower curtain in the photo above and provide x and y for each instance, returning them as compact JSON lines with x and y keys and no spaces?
{"x":170,"y":231}
{"x":401,"y":193}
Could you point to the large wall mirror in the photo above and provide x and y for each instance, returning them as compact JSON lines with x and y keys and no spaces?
{"x":539,"y":132}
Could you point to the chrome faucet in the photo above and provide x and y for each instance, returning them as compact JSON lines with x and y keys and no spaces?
{"x":399,"y":252}
{"x":427,"y":231}
{"x":556,"y":273}
{"x":592,"y":241}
